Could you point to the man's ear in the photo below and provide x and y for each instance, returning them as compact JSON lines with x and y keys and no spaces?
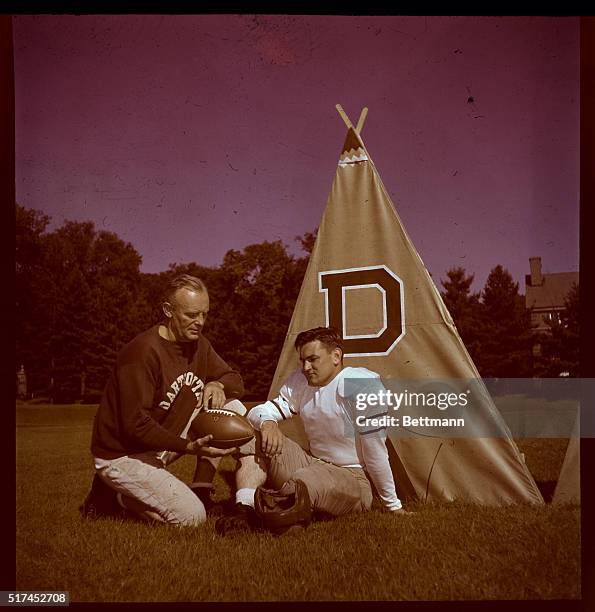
{"x":337,"y":356}
{"x":167,"y":310}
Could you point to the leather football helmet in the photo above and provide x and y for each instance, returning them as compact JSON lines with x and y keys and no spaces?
{"x":280,"y":512}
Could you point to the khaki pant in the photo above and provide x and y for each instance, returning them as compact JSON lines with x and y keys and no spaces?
{"x":333,"y":490}
{"x":150,"y":490}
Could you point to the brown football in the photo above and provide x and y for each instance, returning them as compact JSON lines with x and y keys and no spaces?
{"x":228,"y":428}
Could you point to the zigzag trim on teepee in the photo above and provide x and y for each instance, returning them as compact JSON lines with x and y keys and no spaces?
{"x":353,"y":156}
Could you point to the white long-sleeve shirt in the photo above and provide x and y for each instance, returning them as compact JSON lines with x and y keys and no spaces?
{"x":327,"y":415}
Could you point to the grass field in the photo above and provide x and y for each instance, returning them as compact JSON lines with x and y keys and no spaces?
{"x":444,"y":552}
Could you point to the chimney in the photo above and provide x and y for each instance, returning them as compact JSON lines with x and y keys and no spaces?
{"x":536,"y":276}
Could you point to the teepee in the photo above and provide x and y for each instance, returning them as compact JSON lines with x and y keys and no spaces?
{"x":366,"y":278}
{"x":568,"y":487}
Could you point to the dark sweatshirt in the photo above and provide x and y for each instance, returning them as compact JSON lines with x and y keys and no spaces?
{"x":148,"y":374}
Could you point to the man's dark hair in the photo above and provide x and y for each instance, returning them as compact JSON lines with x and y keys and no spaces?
{"x":328,"y":336}
{"x":183,"y":281}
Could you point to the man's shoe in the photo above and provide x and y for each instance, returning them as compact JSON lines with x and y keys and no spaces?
{"x":102,"y":501}
{"x":212,"y":507}
{"x":241,"y":520}
{"x":402,"y":511}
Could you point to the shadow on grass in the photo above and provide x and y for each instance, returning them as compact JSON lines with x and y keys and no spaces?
{"x":547,"y":488}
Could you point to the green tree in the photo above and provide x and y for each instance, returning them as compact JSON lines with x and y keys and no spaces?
{"x":263,"y":285}
{"x":307,"y":241}
{"x":464,"y":307}
{"x":152,"y":290}
{"x":85,"y":303}
{"x":30,"y":230}
{"x":505,"y":338}
{"x":116,"y":302}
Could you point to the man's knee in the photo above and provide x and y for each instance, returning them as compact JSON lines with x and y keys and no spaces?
{"x":334,"y":497}
{"x":313,"y":480}
{"x":190,"y":512}
{"x":280,"y":467}
{"x":253,"y":449}
{"x":236,"y":406}
{"x":187,"y":512}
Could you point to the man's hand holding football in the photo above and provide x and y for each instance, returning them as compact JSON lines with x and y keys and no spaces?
{"x":213,"y":392}
{"x":200,"y":447}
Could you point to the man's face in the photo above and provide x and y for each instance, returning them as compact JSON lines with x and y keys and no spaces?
{"x":186,"y":314}
{"x":319,"y":364}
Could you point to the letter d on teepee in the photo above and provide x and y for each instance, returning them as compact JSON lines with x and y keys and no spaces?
{"x":335,"y":284}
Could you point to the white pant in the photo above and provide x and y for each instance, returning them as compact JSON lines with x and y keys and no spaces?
{"x":151,"y":491}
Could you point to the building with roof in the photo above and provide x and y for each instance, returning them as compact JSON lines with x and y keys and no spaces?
{"x":545,"y":294}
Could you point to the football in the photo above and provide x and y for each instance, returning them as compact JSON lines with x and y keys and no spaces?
{"x":228,"y":428}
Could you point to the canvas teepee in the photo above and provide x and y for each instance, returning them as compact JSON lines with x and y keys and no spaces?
{"x":366,"y":278}
{"x":568,"y":487}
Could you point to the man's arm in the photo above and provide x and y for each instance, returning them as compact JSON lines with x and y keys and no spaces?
{"x":265,"y":417}
{"x":136,"y":388}
{"x":278,"y":409}
{"x":375,"y":459}
{"x":370,"y":440}
{"x":222,"y":383}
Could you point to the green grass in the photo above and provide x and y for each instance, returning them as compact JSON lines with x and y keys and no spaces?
{"x":544,"y":457}
{"x":444,"y":552}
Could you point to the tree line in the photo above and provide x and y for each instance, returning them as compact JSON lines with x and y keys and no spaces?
{"x":80,"y":296}
{"x":495,"y":327}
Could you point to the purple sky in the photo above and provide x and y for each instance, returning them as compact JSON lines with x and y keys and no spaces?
{"x":192,"y":135}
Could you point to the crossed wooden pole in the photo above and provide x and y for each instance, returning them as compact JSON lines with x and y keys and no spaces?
{"x":360,"y":123}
